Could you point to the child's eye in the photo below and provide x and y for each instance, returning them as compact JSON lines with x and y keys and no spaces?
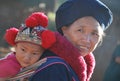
{"x":22,"y":49}
{"x":35,"y":53}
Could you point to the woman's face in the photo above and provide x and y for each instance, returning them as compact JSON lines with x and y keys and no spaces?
{"x":28,"y":53}
{"x":85,"y":34}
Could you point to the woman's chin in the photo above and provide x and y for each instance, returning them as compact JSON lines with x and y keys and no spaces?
{"x":84,"y":53}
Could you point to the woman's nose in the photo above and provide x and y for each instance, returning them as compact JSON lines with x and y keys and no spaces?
{"x":86,"y":37}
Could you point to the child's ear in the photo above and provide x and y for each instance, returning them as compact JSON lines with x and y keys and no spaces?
{"x":15,"y":47}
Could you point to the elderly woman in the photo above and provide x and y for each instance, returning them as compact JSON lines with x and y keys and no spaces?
{"x":83,"y":22}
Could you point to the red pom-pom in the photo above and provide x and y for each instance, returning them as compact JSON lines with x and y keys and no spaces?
{"x":37,"y":19}
{"x":10,"y":35}
{"x":31,"y":22}
{"x":48,"y":38}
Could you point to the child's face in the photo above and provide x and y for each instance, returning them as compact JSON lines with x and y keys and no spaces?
{"x":28,"y":53}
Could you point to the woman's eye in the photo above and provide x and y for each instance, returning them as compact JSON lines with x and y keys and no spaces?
{"x":95,"y":34}
{"x":80,"y":30}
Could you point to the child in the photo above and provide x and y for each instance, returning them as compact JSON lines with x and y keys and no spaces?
{"x":28,"y":45}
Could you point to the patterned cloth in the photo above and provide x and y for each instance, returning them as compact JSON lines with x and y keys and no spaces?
{"x":25,"y":73}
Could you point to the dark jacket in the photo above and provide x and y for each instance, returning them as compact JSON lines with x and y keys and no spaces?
{"x":55,"y":69}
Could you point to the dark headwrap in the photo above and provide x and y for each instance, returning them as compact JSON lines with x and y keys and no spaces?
{"x":72,"y":10}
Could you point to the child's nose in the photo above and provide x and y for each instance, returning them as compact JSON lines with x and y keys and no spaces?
{"x":27,"y":56}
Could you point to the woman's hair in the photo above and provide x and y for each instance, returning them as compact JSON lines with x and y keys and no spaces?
{"x":102,"y":35}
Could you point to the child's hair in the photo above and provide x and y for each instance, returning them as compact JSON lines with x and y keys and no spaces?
{"x":33,"y":31}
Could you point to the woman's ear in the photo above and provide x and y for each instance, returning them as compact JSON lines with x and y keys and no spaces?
{"x":64,"y":28}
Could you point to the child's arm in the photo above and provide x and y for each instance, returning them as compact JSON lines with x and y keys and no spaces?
{"x":9,"y":66}
{"x":2,"y":79}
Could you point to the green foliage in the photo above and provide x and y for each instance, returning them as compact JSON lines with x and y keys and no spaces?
{"x":51,"y":17}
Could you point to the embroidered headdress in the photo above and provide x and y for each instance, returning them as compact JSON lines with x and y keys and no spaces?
{"x":33,"y":31}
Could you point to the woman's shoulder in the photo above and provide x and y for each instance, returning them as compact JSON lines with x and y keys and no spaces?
{"x":47,"y":53}
{"x":54,"y":61}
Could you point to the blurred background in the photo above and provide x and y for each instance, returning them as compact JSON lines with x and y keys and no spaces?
{"x":13,"y":13}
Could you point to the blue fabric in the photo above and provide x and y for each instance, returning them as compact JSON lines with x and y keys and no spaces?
{"x":113,"y":71}
{"x":71,"y":10}
{"x":54,"y":69}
